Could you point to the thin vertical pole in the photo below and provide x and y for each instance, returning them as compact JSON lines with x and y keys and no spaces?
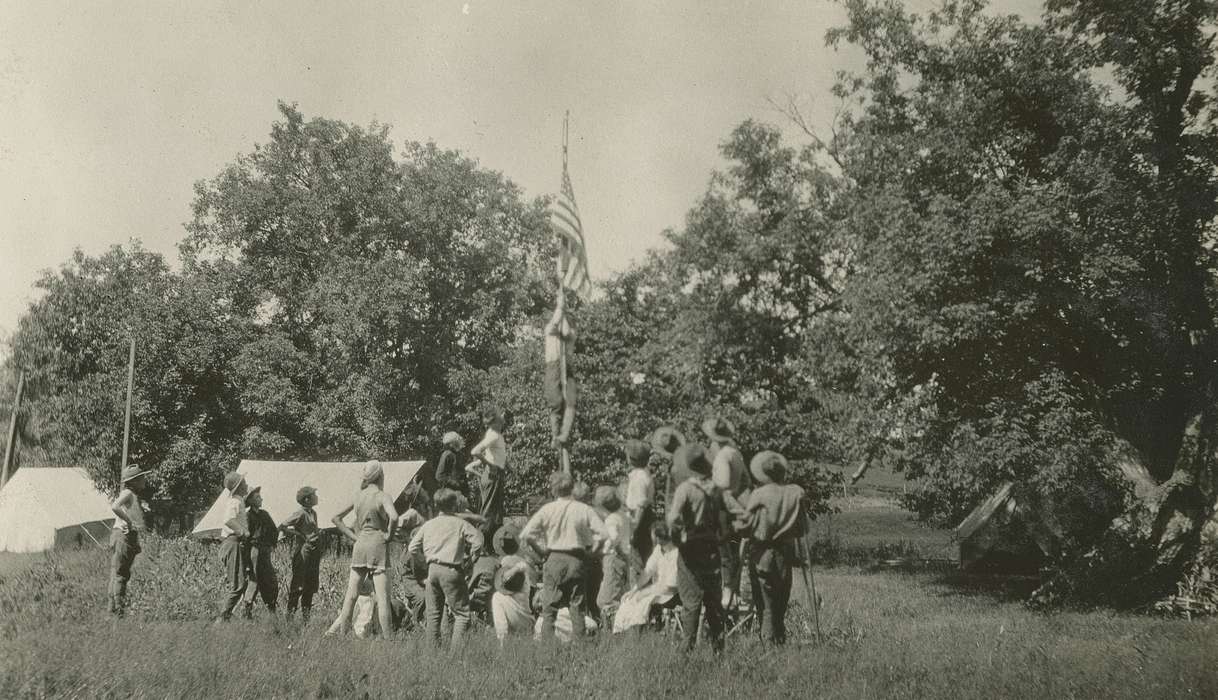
{"x":564,"y":456}
{"x":10,"y":449}
{"x":130,"y":387}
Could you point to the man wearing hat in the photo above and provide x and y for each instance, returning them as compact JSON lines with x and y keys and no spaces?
{"x":730,"y":474}
{"x":665,"y":441}
{"x":640,"y":497}
{"x":301,"y":526}
{"x":261,"y":542}
{"x":774,"y":517}
{"x":449,"y":472}
{"x":125,"y":536}
{"x":234,"y":533}
{"x":694,"y":519}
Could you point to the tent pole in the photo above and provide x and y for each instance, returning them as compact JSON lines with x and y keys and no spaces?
{"x":130,"y":387}
{"x":10,"y":449}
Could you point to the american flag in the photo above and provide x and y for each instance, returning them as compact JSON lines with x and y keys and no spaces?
{"x":564,"y":218}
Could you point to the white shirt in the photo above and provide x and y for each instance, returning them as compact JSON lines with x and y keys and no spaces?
{"x":492,"y":449}
{"x":235,"y":509}
{"x":640,"y":489}
{"x":662,"y":568}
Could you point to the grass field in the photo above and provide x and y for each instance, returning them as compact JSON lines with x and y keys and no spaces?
{"x":889,"y":633}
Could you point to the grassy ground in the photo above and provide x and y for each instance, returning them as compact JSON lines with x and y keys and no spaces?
{"x":889,"y":633}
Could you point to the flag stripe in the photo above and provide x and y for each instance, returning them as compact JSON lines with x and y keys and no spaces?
{"x":566,"y":222}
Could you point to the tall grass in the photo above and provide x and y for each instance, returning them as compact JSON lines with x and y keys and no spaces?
{"x":888,"y":633}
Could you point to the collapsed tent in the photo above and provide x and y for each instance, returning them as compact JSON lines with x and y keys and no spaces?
{"x":1003,"y":534}
{"x":336,"y":482}
{"x":45,"y":508}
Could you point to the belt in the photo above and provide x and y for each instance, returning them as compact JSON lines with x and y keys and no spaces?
{"x":443,"y":563}
{"x":578,"y":553}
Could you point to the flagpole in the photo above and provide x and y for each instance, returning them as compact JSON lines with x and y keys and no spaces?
{"x":564,"y":457}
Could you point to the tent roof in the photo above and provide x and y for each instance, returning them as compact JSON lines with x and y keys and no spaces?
{"x":336,"y":484}
{"x":982,"y":513}
{"x":37,"y":501}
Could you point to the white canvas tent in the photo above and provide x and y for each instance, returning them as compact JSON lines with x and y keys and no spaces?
{"x":52,"y":507}
{"x":336,"y":484}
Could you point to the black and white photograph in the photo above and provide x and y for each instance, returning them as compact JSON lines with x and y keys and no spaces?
{"x":551,"y":348}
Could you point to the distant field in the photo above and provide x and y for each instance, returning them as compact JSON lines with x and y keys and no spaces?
{"x":888,"y":633}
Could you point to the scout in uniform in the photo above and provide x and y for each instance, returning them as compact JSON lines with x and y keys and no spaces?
{"x":731,"y":475}
{"x":694,"y":519}
{"x":571,"y":530}
{"x":234,"y":533}
{"x":447,"y":542}
{"x":125,"y":536}
{"x":260,"y":545}
{"x":302,"y":527}
{"x":774,"y":517}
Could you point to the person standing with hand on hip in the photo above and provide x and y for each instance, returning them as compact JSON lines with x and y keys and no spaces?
{"x":128,"y":510}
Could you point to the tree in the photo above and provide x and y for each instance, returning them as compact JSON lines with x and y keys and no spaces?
{"x":1031,"y":296}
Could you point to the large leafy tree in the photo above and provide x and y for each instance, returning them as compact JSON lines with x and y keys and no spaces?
{"x":1031,"y":288}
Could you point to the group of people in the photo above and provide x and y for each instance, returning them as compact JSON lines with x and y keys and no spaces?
{"x":616,"y":558}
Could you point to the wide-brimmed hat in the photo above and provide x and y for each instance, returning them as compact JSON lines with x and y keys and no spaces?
{"x":505,"y":532}
{"x":504,"y":585}
{"x":255,"y":490}
{"x":666,"y":439}
{"x":768,"y":467}
{"x":304,"y":491}
{"x":232,"y":481}
{"x":719,"y":429}
{"x":132,"y":471}
{"x":637,"y":453}
{"x":691,"y":459}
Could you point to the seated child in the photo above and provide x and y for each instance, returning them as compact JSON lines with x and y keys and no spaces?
{"x":365,"y":621}
{"x":510,"y":608}
{"x":655,"y":589}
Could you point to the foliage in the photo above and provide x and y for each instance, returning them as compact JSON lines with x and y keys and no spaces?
{"x":1026,"y":246}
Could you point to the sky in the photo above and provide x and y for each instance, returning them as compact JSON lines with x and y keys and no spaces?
{"x":111,"y":111}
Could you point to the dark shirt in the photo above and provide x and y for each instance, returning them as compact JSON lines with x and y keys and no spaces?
{"x":262,"y":528}
{"x":449,"y":472}
{"x":304,"y":521}
{"x":694,"y":512}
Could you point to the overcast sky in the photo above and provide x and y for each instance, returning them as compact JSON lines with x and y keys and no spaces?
{"x":110,"y":111}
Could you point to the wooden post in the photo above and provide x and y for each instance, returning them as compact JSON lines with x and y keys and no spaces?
{"x":10,"y":449}
{"x":130,"y":387}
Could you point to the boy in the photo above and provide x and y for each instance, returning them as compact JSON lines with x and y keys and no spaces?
{"x":125,"y":536}
{"x":482,"y":584}
{"x":694,"y":519}
{"x":261,"y":542}
{"x":571,"y":530}
{"x":234,"y":532}
{"x":490,"y":460}
{"x":510,"y":608}
{"x":775,"y":521}
{"x":731,"y":476}
{"x":640,"y":496}
{"x":447,"y":543}
{"x":448,"y":470}
{"x":301,"y":526}
{"x":616,"y":555}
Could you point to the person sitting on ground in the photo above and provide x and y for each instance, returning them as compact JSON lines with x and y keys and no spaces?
{"x":775,"y":520}
{"x":482,"y":584}
{"x":233,"y":553}
{"x":447,"y":542}
{"x":510,"y":610}
{"x":570,"y":530}
{"x":656,"y":588}
{"x":617,"y":556}
{"x":260,"y":545}
{"x":694,"y":519}
{"x":377,"y":520}
{"x":128,"y":510}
